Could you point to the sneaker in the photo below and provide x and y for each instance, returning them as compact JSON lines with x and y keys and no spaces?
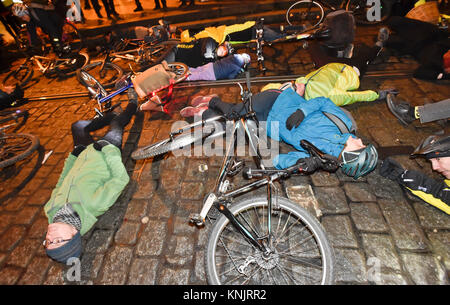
{"x":192,"y":111}
{"x":403,"y":111}
{"x":204,"y":100}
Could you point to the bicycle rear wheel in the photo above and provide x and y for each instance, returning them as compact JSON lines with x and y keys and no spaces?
{"x":16,"y":146}
{"x":72,"y":63}
{"x":300,"y":253}
{"x":306,"y":13}
{"x":177,"y":142}
{"x":21,"y":76}
{"x":107,"y":75}
{"x":180,"y":69}
{"x":157,"y":53}
{"x":363,"y":12}
{"x":72,"y":37}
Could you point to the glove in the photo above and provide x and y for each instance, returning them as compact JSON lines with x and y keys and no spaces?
{"x":392,"y":170}
{"x":413,"y":180}
{"x":78,"y":149}
{"x":331,"y":165}
{"x":308,"y":165}
{"x":100,"y":144}
{"x":383,"y":93}
{"x":295,"y":119}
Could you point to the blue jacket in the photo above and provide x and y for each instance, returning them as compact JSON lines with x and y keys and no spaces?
{"x":315,"y":127}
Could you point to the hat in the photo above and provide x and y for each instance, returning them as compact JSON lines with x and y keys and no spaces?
{"x":70,"y":249}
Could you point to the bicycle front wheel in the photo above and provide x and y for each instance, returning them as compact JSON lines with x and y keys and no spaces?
{"x":16,"y":146}
{"x":300,"y":253}
{"x":170,"y":144}
{"x":306,"y":13}
{"x":180,"y":69}
{"x":21,"y":76}
{"x":107,"y":74}
{"x":70,"y":64}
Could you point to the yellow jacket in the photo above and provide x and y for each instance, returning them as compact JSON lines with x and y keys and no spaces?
{"x":217,"y":33}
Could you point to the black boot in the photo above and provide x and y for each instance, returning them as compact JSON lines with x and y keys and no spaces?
{"x":403,"y":111}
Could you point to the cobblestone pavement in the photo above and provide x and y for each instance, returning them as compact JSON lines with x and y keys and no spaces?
{"x":380,"y":234}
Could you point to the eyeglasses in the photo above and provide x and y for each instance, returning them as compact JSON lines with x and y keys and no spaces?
{"x":46,"y":243}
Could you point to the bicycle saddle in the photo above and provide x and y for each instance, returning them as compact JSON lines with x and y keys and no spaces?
{"x":315,"y":152}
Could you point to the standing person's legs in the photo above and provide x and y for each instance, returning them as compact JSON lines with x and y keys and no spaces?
{"x":107,"y":8}
{"x":97,"y":8}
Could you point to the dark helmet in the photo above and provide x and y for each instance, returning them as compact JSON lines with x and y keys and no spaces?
{"x":359,"y":162}
{"x":435,"y":146}
{"x":341,"y":24}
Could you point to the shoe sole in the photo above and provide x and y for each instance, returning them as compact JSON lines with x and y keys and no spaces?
{"x":391,"y":107}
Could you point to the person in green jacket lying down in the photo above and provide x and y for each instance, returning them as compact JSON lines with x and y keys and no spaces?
{"x":337,"y":82}
{"x":91,"y":181}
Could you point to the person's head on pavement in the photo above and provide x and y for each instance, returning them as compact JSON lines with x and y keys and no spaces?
{"x":436,"y":149}
{"x":358,"y":159}
{"x":62,"y":242}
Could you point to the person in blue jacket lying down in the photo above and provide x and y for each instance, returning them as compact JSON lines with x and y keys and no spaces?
{"x":318,"y":120}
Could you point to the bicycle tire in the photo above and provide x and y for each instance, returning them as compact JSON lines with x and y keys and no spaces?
{"x":21,"y":76}
{"x":107,"y":77}
{"x":360,"y":12}
{"x":72,"y":37}
{"x":296,"y":14}
{"x":156,"y":54}
{"x":181,"y":71}
{"x":218,"y":246}
{"x":166,"y":145}
{"x":8,"y":156}
{"x":76,"y":61}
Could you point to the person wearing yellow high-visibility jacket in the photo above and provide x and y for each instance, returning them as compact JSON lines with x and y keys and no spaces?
{"x":436,"y":149}
{"x":337,"y":82}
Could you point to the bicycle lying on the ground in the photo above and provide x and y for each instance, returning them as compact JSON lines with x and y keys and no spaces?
{"x":262,"y":240}
{"x":104,"y":99}
{"x":15,"y":146}
{"x":133,"y":50}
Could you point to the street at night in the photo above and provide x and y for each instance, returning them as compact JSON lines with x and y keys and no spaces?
{"x":381,"y":234}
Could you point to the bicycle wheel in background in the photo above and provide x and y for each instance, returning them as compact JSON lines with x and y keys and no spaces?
{"x":16,"y":146}
{"x":300,"y":253}
{"x":20,"y":76}
{"x":362,"y":11}
{"x":74,"y":62}
{"x":72,"y":37}
{"x":107,"y":74}
{"x":157,"y":53}
{"x":180,"y":69}
{"x":177,"y":142}
{"x":305,"y":13}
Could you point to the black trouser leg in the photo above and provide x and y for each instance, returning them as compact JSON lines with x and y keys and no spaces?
{"x":115,"y":133}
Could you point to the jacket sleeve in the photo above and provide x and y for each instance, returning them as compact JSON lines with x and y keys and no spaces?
{"x":289,"y":159}
{"x":436,"y":193}
{"x":341,"y":97}
{"x":110,"y":191}
{"x":67,"y":166}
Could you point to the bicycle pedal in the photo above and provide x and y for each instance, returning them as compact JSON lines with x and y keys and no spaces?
{"x":236,"y":168}
{"x":197,"y":220}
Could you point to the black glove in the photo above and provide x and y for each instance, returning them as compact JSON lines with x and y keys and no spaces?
{"x":331,"y":164}
{"x":413,"y":180}
{"x":78,"y":149}
{"x":308,"y":165}
{"x":100,"y":144}
{"x":295,"y":119}
{"x":383,"y":93}
{"x":392,"y":170}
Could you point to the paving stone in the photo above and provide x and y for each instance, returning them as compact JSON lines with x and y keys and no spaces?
{"x":100,"y":241}
{"x":116,"y":265}
{"x":170,"y":276}
{"x":431,"y":217}
{"x":11,"y":238}
{"x":35,"y":272}
{"x":199,"y":275}
{"x":440,"y":242}
{"x":24,"y":252}
{"x":127,"y":233}
{"x":350,"y":266}
{"x":339,"y":231}
{"x":181,"y":225}
{"x":152,"y":238}
{"x":192,"y":190}
{"x":381,"y":249}
{"x":55,"y":275}
{"x":180,"y":251}
{"x":9,"y":275}
{"x":136,"y":210}
{"x":384,"y":188}
{"x":26,"y":216}
{"x":91,"y":264}
{"x":405,"y":229}
{"x":367,"y":217}
{"x":322,"y":178}
{"x":424,"y":269}
{"x":143,"y":271}
{"x":331,"y":200}
{"x":359,"y":192}
{"x":159,"y":207}
{"x":39,"y":228}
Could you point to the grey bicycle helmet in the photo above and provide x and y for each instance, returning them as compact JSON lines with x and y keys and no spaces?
{"x":358,"y":163}
{"x":435,"y":146}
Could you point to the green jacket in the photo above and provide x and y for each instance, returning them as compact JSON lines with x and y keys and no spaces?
{"x":334,"y":81}
{"x":91,"y":183}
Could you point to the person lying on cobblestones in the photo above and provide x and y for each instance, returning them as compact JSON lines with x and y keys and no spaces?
{"x":91,"y":181}
{"x":407,"y":114}
{"x":337,"y":82}
{"x":10,"y":95}
{"x":319,"y":121}
{"x":436,"y":149}
{"x":226,"y":68}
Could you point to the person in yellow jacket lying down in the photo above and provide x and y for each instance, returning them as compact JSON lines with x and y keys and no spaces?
{"x":436,"y":149}
{"x":337,"y":82}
